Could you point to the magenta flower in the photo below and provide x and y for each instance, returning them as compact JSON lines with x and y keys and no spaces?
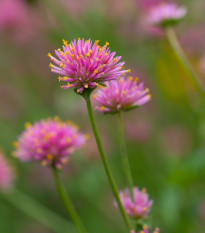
{"x":146,"y":230}
{"x":6,"y":173}
{"x":166,"y":14}
{"x":139,"y":207}
{"x":121,"y":95}
{"x":85,"y":65}
{"x":49,"y":141}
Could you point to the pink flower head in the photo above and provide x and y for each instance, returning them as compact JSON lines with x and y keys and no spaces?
{"x":123,"y":94}
{"x":49,"y":141}
{"x":6,"y":173}
{"x":84,"y":64}
{"x":146,"y":230}
{"x":139,"y":207}
{"x":166,"y":14}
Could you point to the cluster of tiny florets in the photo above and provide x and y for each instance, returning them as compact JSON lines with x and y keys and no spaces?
{"x":83,"y":64}
{"x":139,"y":206}
{"x":48,"y":141}
{"x":166,"y":14}
{"x":121,"y":95}
{"x":145,"y":229}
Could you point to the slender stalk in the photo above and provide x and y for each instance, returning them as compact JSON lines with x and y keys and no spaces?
{"x":125,"y":159}
{"x":38,"y":212}
{"x":106,"y":165}
{"x":67,"y":202}
{"x":182,"y":57}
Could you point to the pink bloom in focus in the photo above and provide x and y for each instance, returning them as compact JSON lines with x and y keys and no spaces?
{"x":48,"y":141}
{"x":140,"y":207}
{"x":6,"y":174}
{"x":123,"y":94}
{"x":146,"y":230}
{"x":166,"y":14}
{"x":85,"y":64}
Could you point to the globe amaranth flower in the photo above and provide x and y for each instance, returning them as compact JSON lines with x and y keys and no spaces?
{"x":49,"y":141}
{"x":145,"y":229}
{"x":121,"y":95}
{"x":6,"y":173}
{"x":166,"y":14}
{"x":139,"y":206}
{"x":83,"y":64}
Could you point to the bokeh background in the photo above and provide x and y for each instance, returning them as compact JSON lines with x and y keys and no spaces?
{"x":165,"y":137}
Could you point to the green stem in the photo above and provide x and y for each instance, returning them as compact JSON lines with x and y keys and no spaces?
{"x":182,"y":57}
{"x":67,"y":202}
{"x":106,"y":166}
{"x":125,"y":160}
{"x":38,"y":212}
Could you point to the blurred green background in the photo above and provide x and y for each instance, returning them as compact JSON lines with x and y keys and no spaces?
{"x":165,"y":138}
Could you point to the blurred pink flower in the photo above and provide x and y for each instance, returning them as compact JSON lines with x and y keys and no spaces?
{"x":84,"y":65}
{"x":202,"y":65}
{"x":121,"y":95}
{"x":140,"y":207}
{"x":146,"y":230}
{"x":176,"y":140}
{"x":49,"y":141}
{"x":166,"y":14}
{"x":6,"y":173}
{"x":18,"y":21}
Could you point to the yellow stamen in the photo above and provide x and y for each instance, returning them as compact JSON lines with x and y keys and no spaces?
{"x":136,"y":79}
{"x":106,"y":44}
{"x":145,"y":227}
{"x":97,"y":41}
{"x":49,"y":156}
{"x":87,"y":41}
{"x":130,"y":78}
{"x":147,"y":90}
{"x":66,"y":52}
{"x":86,"y":85}
{"x":115,"y":59}
{"x":44,"y":163}
{"x":95,"y":71}
{"x":49,"y":54}
{"x":68,"y":85}
{"x":61,"y":65}
{"x":96,"y":84}
{"x":122,"y":67}
{"x":59,"y":50}
{"x":121,"y":81}
{"x":102,"y":108}
{"x":78,"y":38}
{"x":144,"y":209}
{"x":27,"y":125}
{"x":15,"y":144}
{"x":101,"y":49}
{"x":128,"y":71}
{"x":56,"y":118}
{"x":50,"y":65}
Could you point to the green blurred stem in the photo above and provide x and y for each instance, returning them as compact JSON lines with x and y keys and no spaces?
{"x":38,"y":212}
{"x":106,"y":165}
{"x":125,"y":159}
{"x":67,"y":202}
{"x":171,"y":35}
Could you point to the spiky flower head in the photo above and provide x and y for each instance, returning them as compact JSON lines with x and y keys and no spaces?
{"x":166,"y":14}
{"x":49,"y":141}
{"x":139,"y":206}
{"x":145,"y":229}
{"x":6,"y":173}
{"x":84,"y":64}
{"x":121,"y":95}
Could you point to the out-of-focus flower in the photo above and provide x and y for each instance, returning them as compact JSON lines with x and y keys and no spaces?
{"x":202,"y":65}
{"x":146,"y":230}
{"x":140,"y":206}
{"x":166,"y":14}
{"x":48,"y":141}
{"x":121,"y":95}
{"x":85,"y":64}
{"x":6,"y":173}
